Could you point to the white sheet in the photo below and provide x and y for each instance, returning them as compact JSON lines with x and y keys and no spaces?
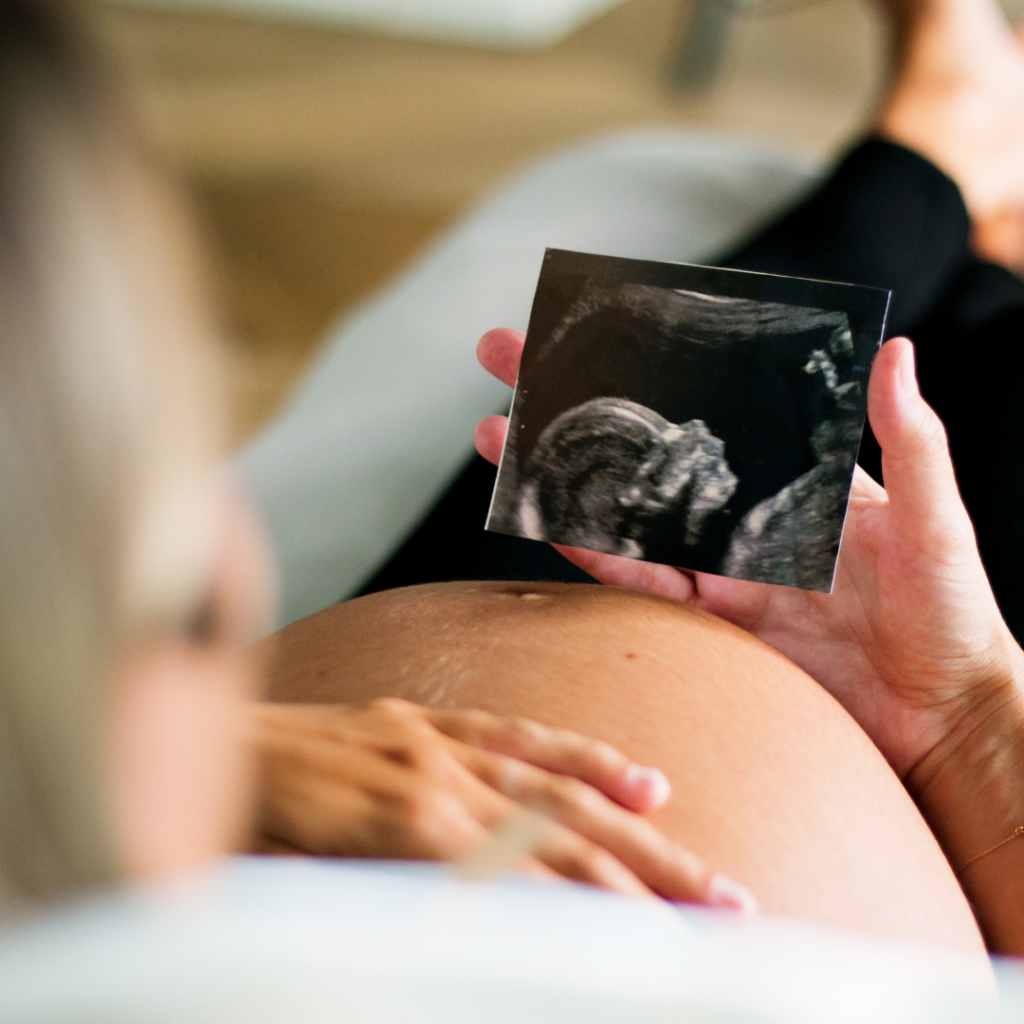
{"x":273,"y":941}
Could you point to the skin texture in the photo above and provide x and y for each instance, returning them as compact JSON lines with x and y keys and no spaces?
{"x":775,"y":784}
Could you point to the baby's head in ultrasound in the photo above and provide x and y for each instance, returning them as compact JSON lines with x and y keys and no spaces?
{"x":603,"y":472}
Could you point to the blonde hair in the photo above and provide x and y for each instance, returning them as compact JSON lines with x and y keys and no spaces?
{"x":107,"y":419}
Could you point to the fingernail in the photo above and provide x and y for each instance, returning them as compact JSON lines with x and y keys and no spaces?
{"x":650,"y":783}
{"x":729,"y":895}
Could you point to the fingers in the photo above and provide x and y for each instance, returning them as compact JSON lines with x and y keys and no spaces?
{"x":616,"y":571}
{"x":919,"y":479}
{"x":489,"y":437}
{"x":407,"y":796}
{"x":386,"y":781}
{"x":370,"y":783}
{"x":526,"y":839}
{"x":572,"y":856}
{"x":613,"y":837}
{"x":561,"y":751}
{"x":500,"y":353}
{"x":573,"y":780}
{"x":742,"y":602}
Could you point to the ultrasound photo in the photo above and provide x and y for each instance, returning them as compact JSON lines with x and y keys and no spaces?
{"x":704,"y":418}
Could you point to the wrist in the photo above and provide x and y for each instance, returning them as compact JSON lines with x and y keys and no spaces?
{"x":970,"y":785}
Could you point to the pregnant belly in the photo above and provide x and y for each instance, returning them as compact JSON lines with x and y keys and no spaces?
{"x":774,"y":783}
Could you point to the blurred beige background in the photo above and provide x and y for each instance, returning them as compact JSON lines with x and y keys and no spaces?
{"x":321,"y":160}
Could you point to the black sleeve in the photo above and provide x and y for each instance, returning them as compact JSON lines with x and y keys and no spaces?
{"x":974,"y":378}
{"x":885,"y":217}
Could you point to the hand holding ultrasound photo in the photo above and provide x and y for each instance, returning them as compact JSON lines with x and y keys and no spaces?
{"x":703,"y":418}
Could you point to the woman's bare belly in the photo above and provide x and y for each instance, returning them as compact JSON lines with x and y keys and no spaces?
{"x":774,"y":783}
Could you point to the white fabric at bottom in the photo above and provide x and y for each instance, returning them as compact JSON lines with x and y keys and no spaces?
{"x":270,"y":941}
{"x":386,"y":417}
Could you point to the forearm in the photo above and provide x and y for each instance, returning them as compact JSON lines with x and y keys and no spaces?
{"x":972,"y":793}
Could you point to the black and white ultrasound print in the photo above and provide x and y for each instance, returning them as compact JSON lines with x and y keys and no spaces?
{"x":698,"y":417}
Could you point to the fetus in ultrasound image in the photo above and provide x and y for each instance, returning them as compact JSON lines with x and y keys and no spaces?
{"x":603,"y":473}
{"x":688,"y":416}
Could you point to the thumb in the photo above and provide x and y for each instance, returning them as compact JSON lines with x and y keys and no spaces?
{"x":916,"y":466}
